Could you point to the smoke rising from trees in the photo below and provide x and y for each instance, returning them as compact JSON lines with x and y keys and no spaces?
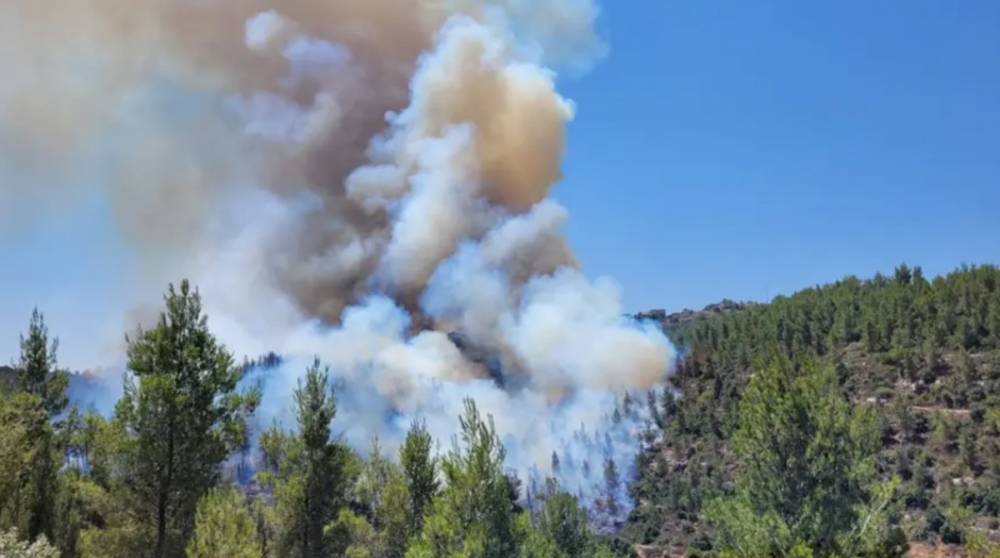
{"x":356,"y":180}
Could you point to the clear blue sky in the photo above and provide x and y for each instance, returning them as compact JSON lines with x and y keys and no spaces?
{"x":722,"y":149}
{"x":749,"y":149}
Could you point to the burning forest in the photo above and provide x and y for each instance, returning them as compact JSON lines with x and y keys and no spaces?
{"x":320,"y":295}
{"x":360,"y":184}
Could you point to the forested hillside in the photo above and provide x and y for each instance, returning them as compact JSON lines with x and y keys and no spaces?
{"x":860,"y":418}
{"x":920,"y":358}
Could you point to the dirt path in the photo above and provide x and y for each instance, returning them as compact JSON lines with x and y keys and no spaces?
{"x":944,"y":410}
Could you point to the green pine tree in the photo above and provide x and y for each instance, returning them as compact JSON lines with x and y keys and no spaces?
{"x":420,"y":469}
{"x":224,"y":526}
{"x":307,"y":472}
{"x":182,"y":415}
{"x":474,"y":515}
{"x":806,"y":480}
{"x":40,"y":379}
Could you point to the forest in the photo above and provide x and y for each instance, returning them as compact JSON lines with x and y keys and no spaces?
{"x":792,"y":422}
{"x":860,"y":418}
{"x":152,"y":480}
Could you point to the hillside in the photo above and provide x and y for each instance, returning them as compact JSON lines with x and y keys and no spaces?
{"x":860,"y":400}
{"x":924,"y":354}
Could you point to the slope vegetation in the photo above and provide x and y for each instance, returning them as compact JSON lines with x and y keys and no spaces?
{"x":925,"y":354}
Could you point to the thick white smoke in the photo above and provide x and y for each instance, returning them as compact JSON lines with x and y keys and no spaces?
{"x":366,"y":181}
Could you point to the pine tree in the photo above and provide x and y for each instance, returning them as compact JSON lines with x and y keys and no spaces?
{"x":611,"y":486}
{"x":668,"y":402}
{"x":379,"y":520}
{"x":475,"y":514}
{"x":224,"y":526}
{"x":321,"y":479}
{"x":420,"y":469}
{"x":39,"y":378}
{"x":563,"y":522}
{"x":183,"y":416}
{"x":967,"y":370}
{"x":24,"y":422}
{"x":993,"y":318}
{"x":394,"y":517}
{"x":306,"y":472}
{"x":654,"y":410}
{"x":37,"y":370}
{"x":807,"y":470}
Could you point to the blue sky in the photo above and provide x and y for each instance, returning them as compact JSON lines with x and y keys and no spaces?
{"x":72,"y":265}
{"x":722,"y":149}
{"x":749,"y":149}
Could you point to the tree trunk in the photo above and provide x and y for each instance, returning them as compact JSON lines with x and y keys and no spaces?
{"x":163,"y":499}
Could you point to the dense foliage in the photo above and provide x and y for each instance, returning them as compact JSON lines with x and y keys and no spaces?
{"x":853,"y":419}
{"x":151,"y":480}
{"x":805,"y":478}
{"x":920,"y":359}
{"x":179,"y":418}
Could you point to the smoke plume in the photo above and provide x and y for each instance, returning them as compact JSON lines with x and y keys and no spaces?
{"x":367,"y":181}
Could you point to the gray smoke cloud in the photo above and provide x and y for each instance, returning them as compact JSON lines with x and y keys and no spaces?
{"x":358,"y":180}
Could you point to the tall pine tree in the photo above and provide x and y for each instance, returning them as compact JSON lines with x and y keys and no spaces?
{"x":306,"y":471}
{"x":806,"y":482}
{"x":420,"y":469}
{"x":182,"y":415}
{"x":45,"y":387}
